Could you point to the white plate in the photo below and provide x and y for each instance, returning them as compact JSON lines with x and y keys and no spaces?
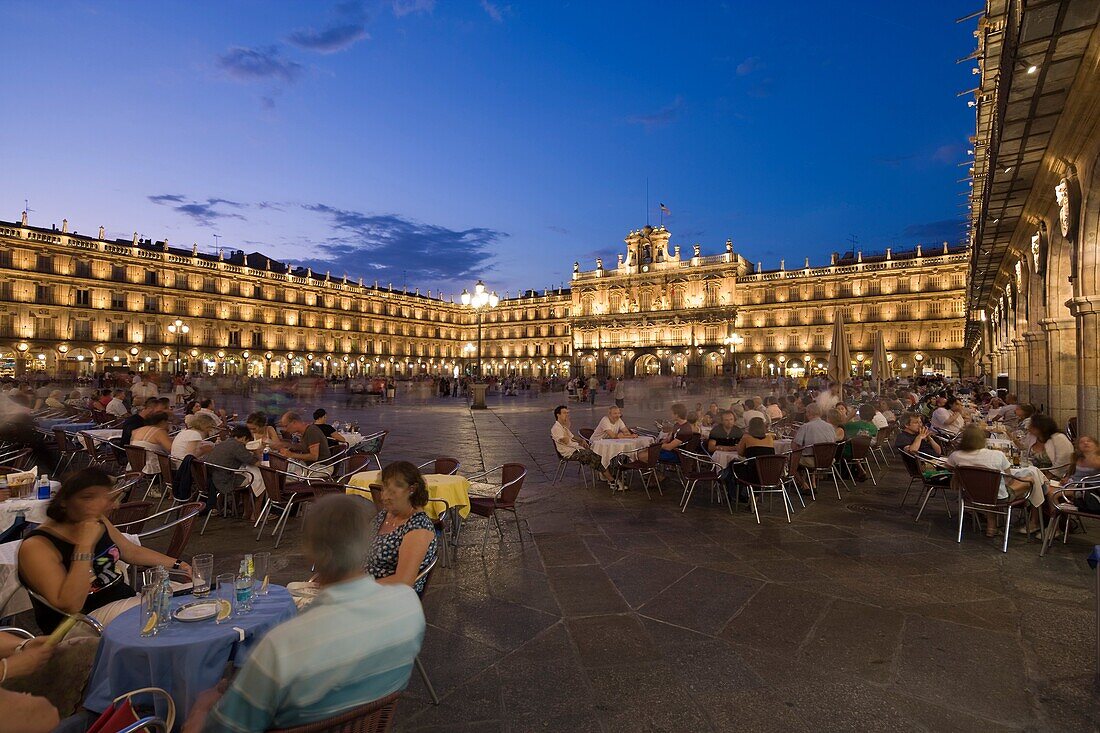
{"x":196,"y":611}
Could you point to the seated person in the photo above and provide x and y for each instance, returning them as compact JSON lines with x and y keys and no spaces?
{"x":335,"y":440}
{"x":257,"y":424}
{"x":55,"y":401}
{"x":1051,"y":451}
{"x":405,"y":542}
{"x":152,"y":436}
{"x":231,"y":453}
{"x":612,"y":426}
{"x":862,"y":425}
{"x":312,"y":446}
{"x":756,"y":441}
{"x":972,"y":452}
{"x":726,"y":435}
{"x":751,"y":411}
{"x":679,"y":432}
{"x":305,"y":669}
{"x":24,"y":713}
{"x":575,"y":448}
{"x":914,"y":438}
{"x":71,"y":559}
{"x":949,"y":418}
{"x":206,"y":407}
{"x":191,"y":441}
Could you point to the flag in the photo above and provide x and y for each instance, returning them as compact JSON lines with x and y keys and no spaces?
{"x":664,"y":210}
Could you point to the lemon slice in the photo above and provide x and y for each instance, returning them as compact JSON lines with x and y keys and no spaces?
{"x":224,"y":609}
{"x":150,"y":624}
{"x":263,"y":586}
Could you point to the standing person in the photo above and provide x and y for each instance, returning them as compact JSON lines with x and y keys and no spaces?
{"x":391,"y":390}
{"x":593,"y":388}
{"x":619,"y":394}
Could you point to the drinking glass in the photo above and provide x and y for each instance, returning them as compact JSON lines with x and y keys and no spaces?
{"x":202,"y":572}
{"x":260,"y":562}
{"x":150,"y":608}
{"x":226,"y":592}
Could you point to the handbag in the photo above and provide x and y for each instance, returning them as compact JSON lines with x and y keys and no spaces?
{"x":121,"y":713}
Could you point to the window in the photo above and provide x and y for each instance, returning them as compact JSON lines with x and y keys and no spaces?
{"x":5,"y":258}
{"x":118,"y":273}
{"x":83,"y":268}
{"x":44,"y":263}
{"x":235,"y":339}
{"x":150,"y":277}
{"x":7,"y":324}
{"x":118,"y":301}
{"x":118,"y":331}
{"x":43,"y":294}
{"x":82,"y":330}
{"x":150,"y":304}
{"x":257,"y":340}
{"x":45,"y":328}
{"x":83,"y":297}
{"x":819,"y":341}
{"x":208,"y":285}
{"x":903,"y":338}
{"x":934,"y":337}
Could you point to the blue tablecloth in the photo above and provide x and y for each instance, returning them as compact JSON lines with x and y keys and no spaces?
{"x":68,"y":427}
{"x":185,"y":658}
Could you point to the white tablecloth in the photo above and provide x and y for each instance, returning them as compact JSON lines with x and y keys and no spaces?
{"x":105,"y":433}
{"x":352,"y":438}
{"x":723,"y":457}
{"x":13,"y":599}
{"x":608,"y":448}
{"x":33,"y":509}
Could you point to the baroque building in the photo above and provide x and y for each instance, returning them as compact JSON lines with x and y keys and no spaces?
{"x":1034,"y":293}
{"x":74,"y":303}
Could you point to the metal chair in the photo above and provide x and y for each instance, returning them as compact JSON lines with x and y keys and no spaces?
{"x":645,"y":467}
{"x":284,"y":495}
{"x":426,"y":575}
{"x":372,"y":446}
{"x":132,"y":514}
{"x":68,"y":450}
{"x":770,"y":479}
{"x":201,"y":472}
{"x":374,"y":717}
{"x":930,"y":486}
{"x":443,"y":465}
{"x":824,"y":455}
{"x":90,"y":622}
{"x":978,"y":489}
{"x":503,"y":500}
{"x":353,"y":463}
{"x":704,"y":470}
{"x":563,"y":463}
{"x":181,"y":526}
{"x":1067,"y":510}
{"x":861,"y":448}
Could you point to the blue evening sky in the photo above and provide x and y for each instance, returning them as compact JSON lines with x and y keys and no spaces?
{"x":435,"y":141}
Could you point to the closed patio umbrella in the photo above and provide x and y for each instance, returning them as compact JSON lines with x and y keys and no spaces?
{"x":840,"y":360}
{"x":880,"y":366}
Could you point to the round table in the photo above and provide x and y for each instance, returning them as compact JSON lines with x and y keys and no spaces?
{"x":34,"y":510}
{"x":608,"y":448}
{"x":184,"y":658}
{"x":455,"y":490}
{"x":725,"y":457}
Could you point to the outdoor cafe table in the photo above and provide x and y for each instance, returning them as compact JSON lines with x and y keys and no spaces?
{"x":608,"y":448}
{"x":455,"y":490}
{"x":184,"y":658}
{"x":104,"y":434}
{"x":68,"y":427}
{"x":725,"y":457}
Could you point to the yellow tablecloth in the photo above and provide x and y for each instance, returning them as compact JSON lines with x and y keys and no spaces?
{"x":455,"y":490}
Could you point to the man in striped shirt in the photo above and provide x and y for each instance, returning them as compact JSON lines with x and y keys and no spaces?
{"x":355,"y":643}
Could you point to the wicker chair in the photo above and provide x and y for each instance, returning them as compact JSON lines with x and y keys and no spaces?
{"x":374,"y":717}
{"x":770,"y":479}
{"x":825,"y":455}
{"x":645,"y":465}
{"x":1065,"y":511}
{"x":702,"y":470}
{"x":978,"y":489}
{"x":503,"y":500}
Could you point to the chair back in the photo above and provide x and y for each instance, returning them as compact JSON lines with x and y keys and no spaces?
{"x":279,"y":463}
{"x":447,"y":466}
{"x":374,"y":717}
{"x":912,"y":465}
{"x":131,"y":513}
{"x":64,"y":442}
{"x":18,"y":461}
{"x":861,"y":446}
{"x":792,"y":460}
{"x":770,"y":469}
{"x":372,"y":444}
{"x":135,"y":456}
{"x":652,"y":455}
{"x":586,"y":433}
{"x":980,"y":485}
{"x":181,"y":534}
{"x":511,"y":479}
{"x":273,"y":482}
{"x":824,"y":454}
{"x":694,"y":444}
{"x":354,"y":463}
{"x":200,"y":476}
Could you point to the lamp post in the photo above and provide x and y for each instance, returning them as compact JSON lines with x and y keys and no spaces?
{"x":178,"y":328}
{"x":733,"y":341}
{"x":479,"y":300}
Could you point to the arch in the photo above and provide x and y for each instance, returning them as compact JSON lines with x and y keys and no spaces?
{"x":647,"y":365}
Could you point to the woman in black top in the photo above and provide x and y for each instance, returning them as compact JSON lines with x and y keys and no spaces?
{"x":71,"y":560}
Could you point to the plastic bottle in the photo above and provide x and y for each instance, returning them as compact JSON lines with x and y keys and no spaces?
{"x":244,"y":584}
{"x":267,"y":455}
{"x":44,"y":486}
{"x":164,"y":598}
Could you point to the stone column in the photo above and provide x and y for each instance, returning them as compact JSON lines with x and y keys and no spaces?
{"x":1037,"y":362}
{"x":1022,"y":374}
{"x":1010,"y":364}
{"x":1086,"y":311}
{"x":1062,"y":368}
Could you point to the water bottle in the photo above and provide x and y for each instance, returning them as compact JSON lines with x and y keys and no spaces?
{"x":44,"y":486}
{"x":267,"y":454}
{"x":244,"y":584}
{"x":164,"y":598}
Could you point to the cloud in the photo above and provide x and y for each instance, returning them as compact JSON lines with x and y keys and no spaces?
{"x":946,"y":154}
{"x":749,"y":65}
{"x":661,"y":118}
{"x":557,"y":229}
{"x":408,"y":7}
{"x":938,"y":231}
{"x":893,"y":161}
{"x":348,"y":28}
{"x":259,"y":64}
{"x":609,"y":255}
{"x":203,"y":213}
{"x":386,"y":245}
{"x":494,"y":11}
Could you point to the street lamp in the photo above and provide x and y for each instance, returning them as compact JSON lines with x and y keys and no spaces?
{"x":733,"y":341}
{"x":479,"y":300}
{"x":178,"y":328}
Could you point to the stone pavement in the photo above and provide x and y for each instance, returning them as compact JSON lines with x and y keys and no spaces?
{"x":622,"y":614}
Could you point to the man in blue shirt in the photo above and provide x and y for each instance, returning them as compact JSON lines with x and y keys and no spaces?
{"x":355,"y":643}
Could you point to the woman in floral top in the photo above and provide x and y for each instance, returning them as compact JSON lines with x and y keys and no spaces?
{"x":405,"y":544}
